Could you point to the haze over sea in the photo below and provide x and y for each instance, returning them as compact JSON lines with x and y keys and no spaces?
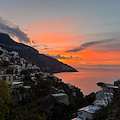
{"x":86,"y":79}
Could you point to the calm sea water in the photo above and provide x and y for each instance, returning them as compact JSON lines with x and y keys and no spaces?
{"x":86,"y":79}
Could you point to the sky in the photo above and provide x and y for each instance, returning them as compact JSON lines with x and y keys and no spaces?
{"x":80,"y":33}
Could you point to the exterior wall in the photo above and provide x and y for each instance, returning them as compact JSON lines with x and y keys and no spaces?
{"x":17,"y":85}
{"x":85,"y":115}
{"x":107,"y":89}
{"x":117,"y":83}
{"x":99,"y":95}
{"x":15,"y":54}
{"x":23,"y":66}
{"x":2,"y":72}
{"x":29,"y":66}
{"x":6,"y":58}
{"x":9,"y":79}
{"x":19,"y":70}
{"x":63,"y":99}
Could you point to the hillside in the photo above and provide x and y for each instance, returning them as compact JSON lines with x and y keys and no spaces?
{"x":46,"y":63}
{"x":111,"y":112}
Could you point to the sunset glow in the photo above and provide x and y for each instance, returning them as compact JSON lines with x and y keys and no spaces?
{"x":60,"y":59}
{"x":83,"y":37}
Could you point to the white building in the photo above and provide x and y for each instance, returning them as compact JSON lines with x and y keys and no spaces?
{"x":15,"y":54}
{"x":29,"y":66}
{"x":3,"y":71}
{"x":103,"y":102}
{"x":17,"y":84}
{"x":61,"y":97}
{"x":32,"y":74}
{"x":45,"y":75}
{"x":36,"y":67}
{"x":6,"y":58}
{"x":87,"y":113}
{"x":23,"y":66}
{"x":70,"y":86}
{"x":8,"y":78}
{"x":22,"y":60}
{"x":103,"y":98}
{"x":27,"y":87}
{"x":110,"y":88}
{"x":19,"y":69}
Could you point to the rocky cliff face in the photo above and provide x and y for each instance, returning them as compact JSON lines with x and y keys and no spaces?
{"x":46,"y":63}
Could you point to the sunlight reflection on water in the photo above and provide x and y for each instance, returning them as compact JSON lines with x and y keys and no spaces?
{"x":86,"y":79}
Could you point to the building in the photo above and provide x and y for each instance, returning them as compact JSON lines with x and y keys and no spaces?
{"x":70,"y":86}
{"x":61,"y":97}
{"x":7,"y":70}
{"x":87,"y":113}
{"x":29,"y":66}
{"x":103,"y":98}
{"x":36,"y":67}
{"x":117,"y":83}
{"x":6,"y":58}
{"x":17,"y":84}
{"x":14,"y":54}
{"x":104,"y":101}
{"x":8,"y":78}
{"x":110,"y":88}
{"x":3,"y":71}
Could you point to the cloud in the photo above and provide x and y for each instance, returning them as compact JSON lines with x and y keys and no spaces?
{"x":78,"y":58}
{"x":100,"y":66}
{"x":88,"y":44}
{"x":13,"y":30}
{"x":40,"y":46}
{"x":45,"y":48}
{"x":34,"y":46}
{"x":62,"y":57}
{"x":33,"y":41}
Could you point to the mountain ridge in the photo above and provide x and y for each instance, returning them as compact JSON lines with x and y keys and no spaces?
{"x":46,"y":63}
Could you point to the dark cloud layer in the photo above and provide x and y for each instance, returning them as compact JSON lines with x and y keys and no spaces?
{"x":100,"y":66}
{"x":13,"y":30}
{"x":62,"y":57}
{"x":35,"y":45}
{"x":88,"y":44}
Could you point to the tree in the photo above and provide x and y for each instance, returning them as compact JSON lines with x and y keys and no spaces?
{"x":5,"y":99}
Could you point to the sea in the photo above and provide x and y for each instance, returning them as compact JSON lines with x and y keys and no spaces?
{"x":87,"y":79}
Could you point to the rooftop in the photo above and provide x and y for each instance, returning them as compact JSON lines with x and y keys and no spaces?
{"x":8,"y":68}
{"x":16,"y":83}
{"x":6,"y":75}
{"x":111,"y":86}
{"x":59,"y":94}
{"x":90,"y":109}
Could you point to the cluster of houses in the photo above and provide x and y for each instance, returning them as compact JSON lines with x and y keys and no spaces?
{"x":103,"y":98}
{"x":11,"y":66}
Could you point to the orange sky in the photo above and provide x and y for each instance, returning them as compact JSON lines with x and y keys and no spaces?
{"x":55,"y":44}
{"x":55,"y":27}
{"x":54,"y":38}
